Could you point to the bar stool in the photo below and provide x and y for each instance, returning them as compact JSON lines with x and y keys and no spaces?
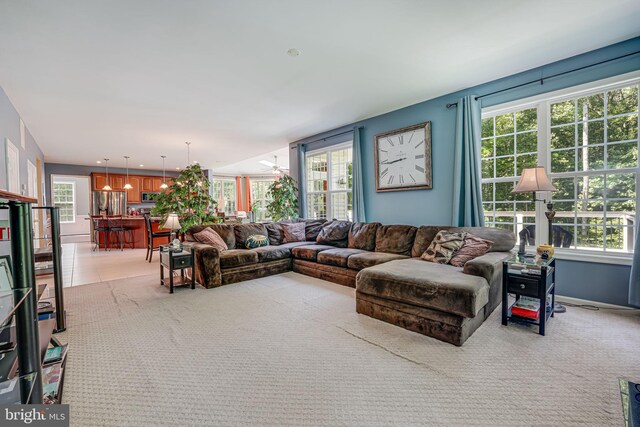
{"x":122,"y":232}
{"x":152,"y":235}
{"x":100,"y":225}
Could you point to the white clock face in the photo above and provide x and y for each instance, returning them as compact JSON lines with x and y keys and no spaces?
{"x":402,"y":161}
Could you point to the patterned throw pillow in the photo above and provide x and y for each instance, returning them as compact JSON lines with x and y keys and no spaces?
{"x":293,"y":232}
{"x":443,"y":247}
{"x":256,"y":241}
{"x":473,"y":247}
{"x":212,"y":238}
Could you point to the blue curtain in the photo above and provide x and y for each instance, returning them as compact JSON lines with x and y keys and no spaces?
{"x":634,"y":281}
{"x":302,"y":181}
{"x":467,"y":194}
{"x":358,"y":186}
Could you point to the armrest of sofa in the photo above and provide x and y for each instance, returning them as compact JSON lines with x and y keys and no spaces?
{"x":207,"y":268}
{"x":488,"y":266}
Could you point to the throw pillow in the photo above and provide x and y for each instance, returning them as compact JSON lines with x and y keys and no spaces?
{"x":212,"y":238}
{"x":293,"y":232}
{"x":473,"y":247}
{"x":443,"y":247}
{"x":256,"y":241}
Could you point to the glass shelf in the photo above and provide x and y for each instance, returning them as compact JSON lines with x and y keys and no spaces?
{"x":10,"y":389}
{"x":9,"y":301}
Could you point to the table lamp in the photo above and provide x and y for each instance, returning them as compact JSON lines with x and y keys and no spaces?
{"x":532,"y":181}
{"x":172,"y":223}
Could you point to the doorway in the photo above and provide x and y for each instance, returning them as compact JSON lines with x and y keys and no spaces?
{"x":71,"y":194}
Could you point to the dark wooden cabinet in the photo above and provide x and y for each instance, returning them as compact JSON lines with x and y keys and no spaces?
{"x":157,"y":182}
{"x":133,"y":195}
{"x":117,"y":182}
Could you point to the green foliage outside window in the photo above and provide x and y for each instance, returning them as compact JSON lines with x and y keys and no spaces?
{"x":284,"y":199}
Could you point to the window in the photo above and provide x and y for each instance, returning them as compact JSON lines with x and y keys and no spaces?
{"x":64,"y":197}
{"x":224,"y":192}
{"x":329,"y":181}
{"x":588,"y":142}
{"x":260,"y":198}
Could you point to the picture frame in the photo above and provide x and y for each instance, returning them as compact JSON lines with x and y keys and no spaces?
{"x":403,"y":159}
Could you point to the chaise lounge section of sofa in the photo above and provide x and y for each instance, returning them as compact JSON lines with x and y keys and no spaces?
{"x":382,"y":262}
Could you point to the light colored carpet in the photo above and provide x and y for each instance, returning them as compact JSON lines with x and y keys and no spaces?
{"x":291,"y":350}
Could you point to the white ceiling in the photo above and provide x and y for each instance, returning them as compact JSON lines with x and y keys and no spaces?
{"x":252,"y":166}
{"x":111,"y":78}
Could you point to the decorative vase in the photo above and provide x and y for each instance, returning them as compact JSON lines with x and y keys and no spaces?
{"x":545,"y":251}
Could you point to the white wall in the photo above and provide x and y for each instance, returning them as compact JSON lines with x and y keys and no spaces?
{"x":78,"y":231}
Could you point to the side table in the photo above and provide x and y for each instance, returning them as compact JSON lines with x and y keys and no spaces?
{"x":531,"y":277}
{"x":174,"y":260}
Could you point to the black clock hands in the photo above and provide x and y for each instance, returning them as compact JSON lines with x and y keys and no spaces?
{"x":395,"y":161}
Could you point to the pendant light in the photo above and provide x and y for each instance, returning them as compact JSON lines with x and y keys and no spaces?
{"x":127,"y":186}
{"x":188,"y":153}
{"x":107,"y":187}
{"x":164,"y":184}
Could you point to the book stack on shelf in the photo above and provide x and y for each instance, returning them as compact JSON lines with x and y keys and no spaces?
{"x":528,"y":308}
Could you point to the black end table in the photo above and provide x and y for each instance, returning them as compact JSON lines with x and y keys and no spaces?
{"x":174,"y":260}
{"x":533,"y":277}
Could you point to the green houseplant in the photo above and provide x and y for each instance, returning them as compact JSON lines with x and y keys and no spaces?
{"x":188,"y":197}
{"x":284,"y":199}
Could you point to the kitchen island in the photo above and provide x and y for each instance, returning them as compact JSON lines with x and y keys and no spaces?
{"x":137,"y":237}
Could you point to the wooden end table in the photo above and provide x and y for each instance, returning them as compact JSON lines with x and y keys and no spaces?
{"x":174,"y":260}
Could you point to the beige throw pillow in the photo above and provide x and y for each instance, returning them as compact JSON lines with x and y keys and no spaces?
{"x":212,"y":238}
{"x":293,"y":232}
{"x":443,"y":247}
{"x":473,"y":247}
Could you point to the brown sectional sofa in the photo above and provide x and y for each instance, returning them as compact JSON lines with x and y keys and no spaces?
{"x":382,"y":262}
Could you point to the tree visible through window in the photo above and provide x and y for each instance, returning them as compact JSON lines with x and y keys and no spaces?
{"x":589,"y":145}
{"x":64,"y":195}
{"x":224,"y":192}
{"x":260,"y":198}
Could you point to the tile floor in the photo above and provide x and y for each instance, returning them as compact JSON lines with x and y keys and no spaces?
{"x":81,"y":265}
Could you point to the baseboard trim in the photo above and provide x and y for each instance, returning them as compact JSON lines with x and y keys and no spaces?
{"x":578,"y":301}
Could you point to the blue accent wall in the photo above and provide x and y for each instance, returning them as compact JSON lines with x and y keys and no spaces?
{"x":434,"y":206}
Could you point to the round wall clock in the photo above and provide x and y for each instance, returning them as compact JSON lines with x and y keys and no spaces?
{"x":403,"y":159}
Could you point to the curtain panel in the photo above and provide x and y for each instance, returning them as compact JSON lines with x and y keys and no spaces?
{"x":302,"y":179}
{"x":358,"y":186}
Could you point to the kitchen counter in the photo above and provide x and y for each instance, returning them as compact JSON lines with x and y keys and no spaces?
{"x":137,"y":236}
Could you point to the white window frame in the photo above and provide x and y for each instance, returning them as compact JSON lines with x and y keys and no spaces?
{"x":73,"y":202}
{"x":235,"y":192}
{"x":264,"y":200}
{"x":543,"y":103}
{"x":329,"y":192}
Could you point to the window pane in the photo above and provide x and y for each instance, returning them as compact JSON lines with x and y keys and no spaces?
{"x":590,"y":237}
{"x":563,"y":112}
{"x":591,"y":158}
{"x":563,"y":137}
{"x":526,"y":161}
{"x":504,"y":145}
{"x":590,"y":187}
{"x":504,"y":167}
{"x":341,"y":170}
{"x":487,"y":127}
{"x":317,"y":206}
{"x":487,"y":191}
{"x":527,"y":142}
{"x":591,"y":107}
{"x":527,"y":120}
{"x":622,"y":128}
{"x":341,"y":206}
{"x":591,"y":133}
{"x":621,"y":186}
{"x":623,"y":100}
{"x":565,"y":188}
{"x":487,"y":148}
{"x":503,"y":191}
{"x":504,"y":124}
{"x":623,"y":155}
{"x":487,"y":168}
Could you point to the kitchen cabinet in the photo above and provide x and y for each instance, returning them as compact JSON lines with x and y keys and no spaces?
{"x":133,"y":195}
{"x":99,"y":181}
{"x":157,"y":182}
{"x":147,"y":183}
{"x":117,"y":182}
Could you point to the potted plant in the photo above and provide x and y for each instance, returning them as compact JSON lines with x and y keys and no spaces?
{"x":188,"y":197}
{"x":284,"y":199}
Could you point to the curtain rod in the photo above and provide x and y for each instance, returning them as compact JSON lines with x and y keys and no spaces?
{"x":542,"y":79}
{"x":324,"y":139}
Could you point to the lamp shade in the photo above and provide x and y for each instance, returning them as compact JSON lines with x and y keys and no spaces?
{"x":534,"y":179}
{"x":172,"y":222}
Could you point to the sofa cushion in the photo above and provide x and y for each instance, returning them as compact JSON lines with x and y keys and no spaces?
{"x":395,"y":239}
{"x":295,"y":244}
{"x":438,"y":286}
{"x":362,"y":235}
{"x":274,"y":231}
{"x":309,"y":251}
{"x":473,"y":247}
{"x":337,"y":257}
{"x":210,"y":237}
{"x":312,"y":228}
{"x":272,"y":253}
{"x":238,"y":258}
{"x":503,"y":240}
{"x":334,"y":233}
{"x":444,"y":246}
{"x":224,"y":230}
{"x":367,"y":259}
{"x":243,"y":231}
{"x":293,"y":232}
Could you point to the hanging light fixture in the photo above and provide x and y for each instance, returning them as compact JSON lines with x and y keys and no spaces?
{"x":127,"y":186}
{"x":106,"y":187}
{"x":164,"y":184}
{"x":188,"y":153}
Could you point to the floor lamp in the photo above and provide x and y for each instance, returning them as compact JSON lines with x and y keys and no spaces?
{"x":532,"y":181}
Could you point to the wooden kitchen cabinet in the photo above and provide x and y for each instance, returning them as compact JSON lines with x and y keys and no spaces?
{"x":117,"y":182}
{"x":147,"y":183}
{"x":157,"y":182}
{"x":99,"y":180}
{"x":133,"y":195}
